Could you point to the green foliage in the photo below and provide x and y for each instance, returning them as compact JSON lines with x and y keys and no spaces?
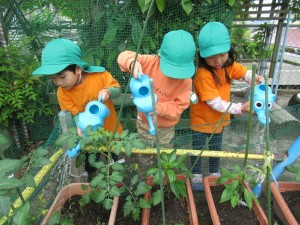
{"x":171,"y":165}
{"x":251,"y":44}
{"x":20,"y":93}
{"x":235,"y":191}
{"x":11,"y":186}
{"x":135,"y":200}
{"x":110,"y":179}
{"x":294,"y":169}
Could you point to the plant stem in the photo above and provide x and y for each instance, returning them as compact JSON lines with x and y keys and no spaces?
{"x":21,"y":196}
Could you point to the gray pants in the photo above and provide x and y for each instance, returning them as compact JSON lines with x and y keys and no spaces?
{"x":165,"y":137}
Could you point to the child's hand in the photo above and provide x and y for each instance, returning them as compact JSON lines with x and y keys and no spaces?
{"x":246,"y":107}
{"x":79,"y":132}
{"x":105,"y":95}
{"x":259,"y":79}
{"x":137,"y":69}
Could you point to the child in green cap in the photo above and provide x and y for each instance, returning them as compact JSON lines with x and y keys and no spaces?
{"x":78,"y":83}
{"x":212,"y":83}
{"x":171,"y":72}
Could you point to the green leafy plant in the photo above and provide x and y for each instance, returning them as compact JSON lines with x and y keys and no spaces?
{"x":111,"y":179}
{"x":171,"y":165}
{"x":11,"y":185}
{"x":235,"y":191}
{"x":294,"y":169}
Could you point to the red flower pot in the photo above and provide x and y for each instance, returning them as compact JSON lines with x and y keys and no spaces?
{"x":211,"y":181}
{"x":71,"y":190}
{"x":281,"y":208}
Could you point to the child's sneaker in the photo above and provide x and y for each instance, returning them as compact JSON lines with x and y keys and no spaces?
{"x":215,"y":174}
{"x":197,"y":184}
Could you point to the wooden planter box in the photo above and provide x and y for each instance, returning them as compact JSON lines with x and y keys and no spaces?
{"x":211,"y":181}
{"x":71,"y":190}
{"x":280,"y":206}
{"x":190,"y":203}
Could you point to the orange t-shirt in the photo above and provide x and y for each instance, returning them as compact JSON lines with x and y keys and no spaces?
{"x":173,"y":95}
{"x":202,"y":117}
{"x":75,"y":99}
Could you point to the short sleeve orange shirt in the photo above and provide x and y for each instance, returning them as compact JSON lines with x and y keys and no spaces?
{"x":75,"y":99}
{"x":202,"y":117}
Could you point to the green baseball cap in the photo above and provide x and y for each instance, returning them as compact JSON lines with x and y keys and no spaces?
{"x":213,"y":39}
{"x":59,"y":54}
{"x":177,"y":54}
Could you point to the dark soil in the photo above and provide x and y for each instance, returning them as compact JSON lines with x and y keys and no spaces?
{"x":93,"y":213}
{"x":232,"y":216}
{"x":90,"y":214}
{"x":292,"y":199}
{"x":176,"y":212}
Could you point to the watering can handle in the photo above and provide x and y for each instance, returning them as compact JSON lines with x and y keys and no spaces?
{"x":139,"y":76}
{"x":100,"y":98}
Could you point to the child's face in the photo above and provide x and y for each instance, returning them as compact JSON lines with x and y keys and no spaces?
{"x":65,"y":79}
{"x":217,"y":61}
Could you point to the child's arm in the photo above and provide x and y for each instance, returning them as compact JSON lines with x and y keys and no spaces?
{"x":248,"y":78}
{"x":221,"y":105}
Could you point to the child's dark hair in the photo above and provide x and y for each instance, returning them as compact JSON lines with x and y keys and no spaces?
{"x":232,"y":57}
{"x":71,"y":68}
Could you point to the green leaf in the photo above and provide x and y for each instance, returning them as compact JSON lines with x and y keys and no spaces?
{"x":21,"y":215}
{"x":99,"y":196}
{"x":178,"y":188}
{"x":54,"y":219}
{"x":118,"y":148}
{"x":9,"y":183}
{"x":29,"y":181}
{"x":128,"y":148}
{"x":80,"y":159}
{"x":107,"y":203}
{"x":144,"y":204}
{"x":171,"y":175}
{"x":41,"y":162}
{"x":230,"y":2}
{"x":234,"y":201}
{"x":161,"y":5}
{"x":226,"y":195}
{"x":9,"y":165}
{"x":136,"y":32}
{"x":117,"y":166}
{"x":127,"y":208}
{"x":96,"y":180}
{"x":84,"y":200}
{"x":187,"y":6}
{"x":156,"y":197}
{"x":248,"y":199}
{"x":152,"y":171}
{"x":117,"y":176}
{"x":114,"y":191}
{"x":109,"y":36}
{"x":4,"y":205}
{"x":134,"y":179}
{"x":141,"y":189}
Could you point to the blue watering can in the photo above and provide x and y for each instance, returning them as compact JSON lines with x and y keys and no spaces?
{"x":260,"y":102}
{"x":94,"y":114}
{"x":141,"y":92}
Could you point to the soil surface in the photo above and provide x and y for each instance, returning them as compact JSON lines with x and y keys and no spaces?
{"x":232,"y":216}
{"x":176,"y":212}
{"x":292,"y":199}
